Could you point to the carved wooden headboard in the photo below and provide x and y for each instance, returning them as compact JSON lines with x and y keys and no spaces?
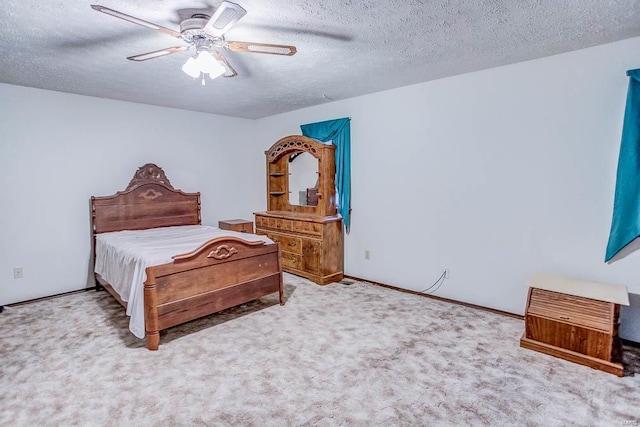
{"x":149,"y":201}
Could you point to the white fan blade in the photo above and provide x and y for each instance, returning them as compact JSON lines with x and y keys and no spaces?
{"x":224,"y":18}
{"x":157,"y":53}
{"x":273,"y":49}
{"x":136,"y":20}
{"x":223,"y":60}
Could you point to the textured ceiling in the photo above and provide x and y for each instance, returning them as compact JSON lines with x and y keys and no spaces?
{"x":346,"y":48}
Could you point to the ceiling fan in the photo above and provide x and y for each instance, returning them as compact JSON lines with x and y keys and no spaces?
{"x":206,"y":34}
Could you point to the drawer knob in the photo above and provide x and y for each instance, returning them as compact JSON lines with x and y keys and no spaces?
{"x":292,"y":243}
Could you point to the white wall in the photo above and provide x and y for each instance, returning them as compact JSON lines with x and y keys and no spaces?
{"x":57,"y":150}
{"x":494,"y":175}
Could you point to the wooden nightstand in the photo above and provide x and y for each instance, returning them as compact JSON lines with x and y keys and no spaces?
{"x":241,"y":225}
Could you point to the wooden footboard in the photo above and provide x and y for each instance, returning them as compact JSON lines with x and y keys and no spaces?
{"x":222,"y":273}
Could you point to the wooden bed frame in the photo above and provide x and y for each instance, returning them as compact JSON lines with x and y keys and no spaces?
{"x":222,"y":273}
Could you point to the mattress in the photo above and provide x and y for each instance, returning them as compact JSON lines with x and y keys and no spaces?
{"x":123,"y":256}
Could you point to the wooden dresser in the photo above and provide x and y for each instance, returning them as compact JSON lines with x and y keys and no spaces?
{"x":310,"y":236}
{"x":311,"y":246}
{"x":575,"y":320}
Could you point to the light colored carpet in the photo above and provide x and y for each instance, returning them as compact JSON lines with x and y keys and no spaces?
{"x":333,"y":355}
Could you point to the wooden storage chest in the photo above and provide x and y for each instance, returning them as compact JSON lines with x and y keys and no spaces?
{"x":574,"y":327}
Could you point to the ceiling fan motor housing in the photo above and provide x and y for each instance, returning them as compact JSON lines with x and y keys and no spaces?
{"x":192,"y":31}
{"x":196,"y":22}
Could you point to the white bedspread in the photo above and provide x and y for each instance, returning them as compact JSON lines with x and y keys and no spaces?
{"x":123,"y":256}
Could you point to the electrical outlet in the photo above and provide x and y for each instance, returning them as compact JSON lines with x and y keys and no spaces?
{"x":367,"y":254}
{"x":446,"y":273}
{"x":17,"y":273}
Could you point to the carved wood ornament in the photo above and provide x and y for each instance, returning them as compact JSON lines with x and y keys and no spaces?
{"x":150,"y":194}
{"x":149,"y":174}
{"x":293,"y":144}
{"x":222,"y":252}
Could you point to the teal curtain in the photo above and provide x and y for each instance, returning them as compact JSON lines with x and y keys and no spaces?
{"x":339,"y":132}
{"x":625,"y":226}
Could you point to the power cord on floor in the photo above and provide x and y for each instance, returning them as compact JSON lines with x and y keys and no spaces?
{"x":436,"y":284}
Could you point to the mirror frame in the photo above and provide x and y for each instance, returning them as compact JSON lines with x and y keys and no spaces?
{"x":277,"y":158}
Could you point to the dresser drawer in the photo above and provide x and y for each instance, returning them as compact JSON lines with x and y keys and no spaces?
{"x":307,"y":227}
{"x":274,"y":223}
{"x":291,"y":260}
{"x":287,"y":243}
{"x":262,"y":221}
{"x":279,"y":224}
{"x":297,"y":252}
{"x":571,"y":309}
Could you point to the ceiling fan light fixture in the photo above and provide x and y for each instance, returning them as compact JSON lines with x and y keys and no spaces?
{"x":203,"y":63}
{"x":208,"y":64}
{"x":191,"y":68}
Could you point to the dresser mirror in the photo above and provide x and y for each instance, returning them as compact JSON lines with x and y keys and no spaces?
{"x":303,"y":179}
